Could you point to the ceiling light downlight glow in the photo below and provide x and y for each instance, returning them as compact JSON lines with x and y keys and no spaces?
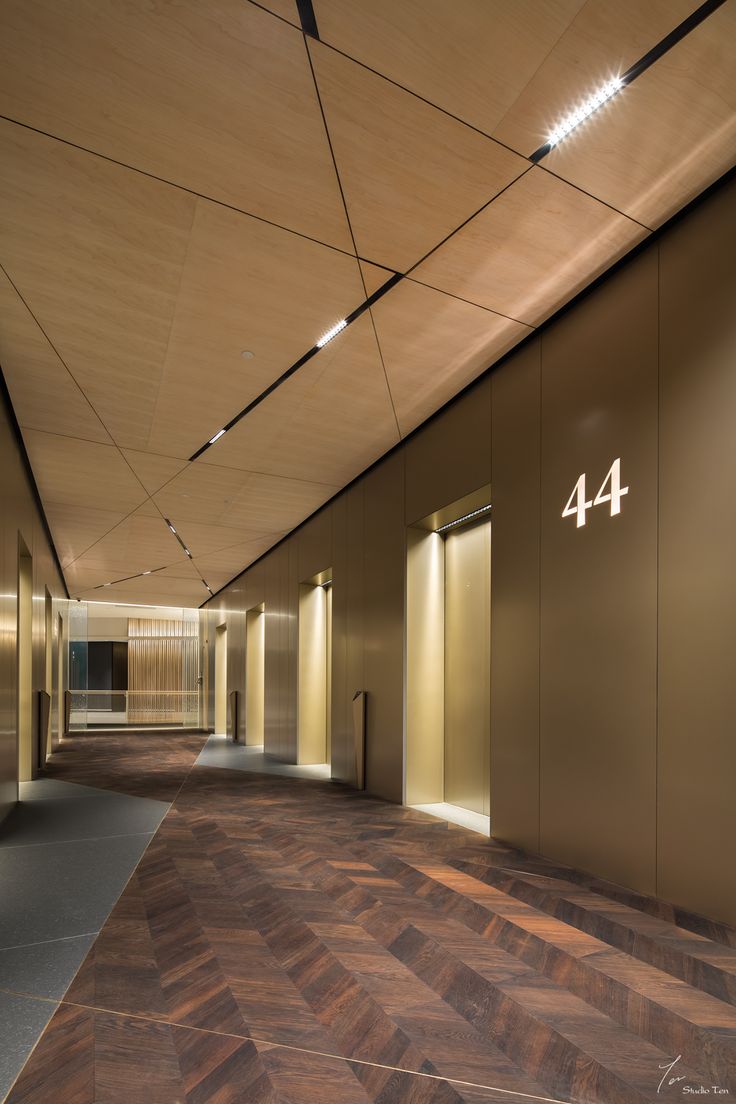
{"x":332,"y":333}
{"x":220,"y":433}
{"x":591,"y":105}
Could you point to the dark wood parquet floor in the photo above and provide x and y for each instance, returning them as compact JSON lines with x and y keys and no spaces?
{"x":285,"y":941}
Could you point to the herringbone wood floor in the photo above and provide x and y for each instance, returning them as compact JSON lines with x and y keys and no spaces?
{"x":294,"y":941}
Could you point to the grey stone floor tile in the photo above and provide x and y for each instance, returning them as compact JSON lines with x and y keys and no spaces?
{"x":219,"y":752}
{"x":88,"y":815}
{"x":63,"y":889}
{"x":23,"y":1019}
{"x":43,"y":969}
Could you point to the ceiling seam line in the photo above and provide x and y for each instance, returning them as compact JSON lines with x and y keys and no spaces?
{"x":429,"y":103}
{"x":62,"y":361}
{"x":173,"y":316}
{"x":465,"y":222}
{"x":385,"y":373}
{"x":171,"y":183}
{"x":350,"y":225}
{"x":105,"y":534}
{"x":470,"y":302}
{"x":597,"y":199}
{"x":58,"y":355}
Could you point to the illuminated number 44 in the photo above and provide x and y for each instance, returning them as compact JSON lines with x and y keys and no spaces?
{"x":610,"y":491}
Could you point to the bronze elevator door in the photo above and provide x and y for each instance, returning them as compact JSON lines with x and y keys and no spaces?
{"x":468,"y":666}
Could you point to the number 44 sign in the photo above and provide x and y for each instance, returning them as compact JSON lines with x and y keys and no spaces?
{"x":610,"y":491}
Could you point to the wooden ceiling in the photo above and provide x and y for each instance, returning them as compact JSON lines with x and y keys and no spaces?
{"x":182,"y":183}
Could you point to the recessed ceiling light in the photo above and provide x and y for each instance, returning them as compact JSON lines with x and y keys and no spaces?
{"x":580,"y":114}
{"x":146,"y":573}
{"x":220,"y":433}
{"x":247,"y":354}
{"x":332,"y":333}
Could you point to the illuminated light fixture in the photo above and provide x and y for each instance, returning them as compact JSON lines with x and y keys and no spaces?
{"x":591,"y":105}
{"x":220,"y":433}
{"x":464,"y":518}
{"x":107,"y":584}
{"x":189,"y":554}
{"x":331,"y":333}
{"x":146,"y":573}
{"x":171,"y":527}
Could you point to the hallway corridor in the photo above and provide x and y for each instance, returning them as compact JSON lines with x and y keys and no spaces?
{"x":286,"y":940}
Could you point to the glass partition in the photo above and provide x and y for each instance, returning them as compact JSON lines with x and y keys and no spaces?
{"x":133,"y":666}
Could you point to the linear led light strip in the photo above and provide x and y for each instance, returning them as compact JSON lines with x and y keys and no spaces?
{"x":181,"y":542}
{"x":463,"y":519}
{"x":616,"y":84}
{"x":320,"y":344}
{"x":580,"y":114}
{"x":138,"y":575}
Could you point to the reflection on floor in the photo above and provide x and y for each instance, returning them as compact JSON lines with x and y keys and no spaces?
{"x":476,"y":822}
{"x":287,"y":940}
{"x":221,"y":752}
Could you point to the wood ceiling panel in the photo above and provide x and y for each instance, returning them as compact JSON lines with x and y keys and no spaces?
{"x":231,"y":561}
{"x":669,"y":135}
{"x":139,"y":543}
{"x":287,"y":9}
{"x":602,"y":42}
{"x":326,"y":424}
{"x":183,"y":569}
{"x":153,"y":470}
{"x":82,"y":473}
{"x":76,"y":528}
{"x":410,"y":174}
{"x":531,"y":250}
{"x":97,"y":252}
{"x":247,"y":286}
{"x":426,"y":364}
{"x":218,"y":98}
{"x":216,"y":508}
{"x":44,"y":394}
{"x":472,"y":58}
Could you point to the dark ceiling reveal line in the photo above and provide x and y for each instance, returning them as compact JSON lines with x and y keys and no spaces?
{"x":391,"y":282}
{"x":307,"y":18}
{"x":659,"y":50}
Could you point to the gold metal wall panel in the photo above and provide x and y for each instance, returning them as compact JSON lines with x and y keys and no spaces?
{"x":598,"y":582}
{"x":697,"y":582}
{"x":451,"y":455}
{"x":254,"y":676}
{"x":383,"y":626}
{"x":515,"y":599}
{"x":467,"y":666}
{"x":312,"y":683}
{"x":425,"y":667}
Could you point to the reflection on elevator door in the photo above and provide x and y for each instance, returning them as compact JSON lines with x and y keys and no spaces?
{"x":467,"y":666}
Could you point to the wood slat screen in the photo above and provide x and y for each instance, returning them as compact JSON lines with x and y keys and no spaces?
{"x":162,"y":671}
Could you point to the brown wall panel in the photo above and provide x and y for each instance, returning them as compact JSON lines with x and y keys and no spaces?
{"x":384,"y":541}
{"x":515,"y":599}
{"x":697,"y":749}
{"x":451,"y":455}
{"x":574,"y":726}
{"x":598,"y":582}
